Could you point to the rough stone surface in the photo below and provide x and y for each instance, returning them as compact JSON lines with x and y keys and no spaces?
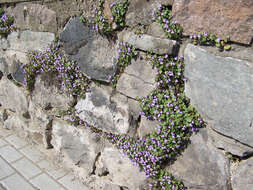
{"x":34,"y":17}
{"x":150,"y":43}
{"x":134,"y":107}
{"x":121,"y":171}
{"x":140,"y":11}
{"x":237,"y":51}
{"x":25,"y":41}
{"x":146,"y":126}
{"x":74,"y":35}
{"x":10,"y":65}
{"x":229,"y":145}
{"x":201,"y":165}
{"x":107,"y":10}
{"x":224,"y":18}
{"x":156,"y":30}
{"x":12,"y":97}
{"x":17,"y":124}
{"x":4,"y":65}
{"x":242,"y":179}
{"x":4,"y":44}
{"x":103,"y":111}
{"x":18,"y":56}
{"x":40,"y":125}
{"x":221,"y":90}
{"x":96,"y":55}
{"x":137,"y":80}
{"x":79,"y":146}
{"x":48,"y":94}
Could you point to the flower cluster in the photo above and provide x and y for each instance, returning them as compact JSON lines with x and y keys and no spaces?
{"x":177,"y":120}
{"x":148,"y":153}
{"x":52,"y":61}
{"x":204,"y":38}
{"x":119,"y":10}
{"x":6,"y":23}
{"x":126,"y":53}
{"x":101,"y":23}
{"x":169,"y":71}
{"x":162,"y":15}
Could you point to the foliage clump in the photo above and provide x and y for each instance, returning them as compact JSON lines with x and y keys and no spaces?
{"x":107,"y":26}
{"x":126,"y":54}
{"x":204,"y":38}
{"x":172,"y":28}
{"x":53,"y":61}
{"x":177,"y":121}
{"x":6,"y":23}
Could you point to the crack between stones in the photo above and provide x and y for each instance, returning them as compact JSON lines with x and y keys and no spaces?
{"x":231,"y":138}
{"x":139,"y":78}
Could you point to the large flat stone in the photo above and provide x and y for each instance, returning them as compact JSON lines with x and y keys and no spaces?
{"x":137,"y":80}
{"x":48,"y":93}
{"x":96,"y":55}
{"x":12,"y":97}
{"x":223,"y":18}
{"x":201,"y":165}
{"x":35,"y":17}
{"x":79,"y":146}
{"x":27,"y":40}
{"x":221,"y":90}
{"x":242,"y":178}
{"x":121,"y":171}
{"x":150,"y":43}
{"x":104,"y":111}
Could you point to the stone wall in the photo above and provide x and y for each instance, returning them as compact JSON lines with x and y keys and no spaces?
{"x":219,"y":85}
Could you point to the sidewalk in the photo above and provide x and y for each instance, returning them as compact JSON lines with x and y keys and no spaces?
{"x":22,"y":167}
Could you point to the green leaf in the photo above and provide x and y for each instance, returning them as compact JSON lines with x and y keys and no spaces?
{"x":227,"y":47}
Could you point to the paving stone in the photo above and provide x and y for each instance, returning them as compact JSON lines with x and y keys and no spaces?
{"x":54,"y":172}
{"x":70,"y":182}
{"x":2,"y":142}
{"x":16,"y":141}
{"x":4,"y":132}
{"x":5,"y":169}
{"x":16,"y":182}
{"x":44,"y":182}
{"x":26,"y":168}
{"x":10,"y":154}
{"x":31,"y":153}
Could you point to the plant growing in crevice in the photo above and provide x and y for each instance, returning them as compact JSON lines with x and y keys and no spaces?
{"x":172,"y":29}
{"x":6,"y":23}
{"x":105,"y":25}
{"x":126,"y":54}
{"x":140,"y":29}
{"x":53,"y":61}
{"x":177,"y":121}
{"x":204,"y":38}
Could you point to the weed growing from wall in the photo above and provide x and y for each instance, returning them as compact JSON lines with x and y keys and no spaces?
{"x":102,"y":24}
{"x":204,"y":38}
{"x":177,"y":121}
{"x":162,"y":15}
{"x":126,"y":54}
{"x":6,"y":23}
{"x":53,"y":61}
{"x":173,"y":30}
